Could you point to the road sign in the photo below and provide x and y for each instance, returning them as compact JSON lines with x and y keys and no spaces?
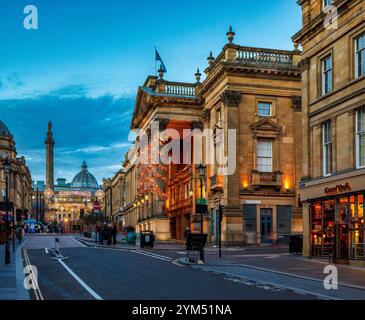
{"x":202,"y":201}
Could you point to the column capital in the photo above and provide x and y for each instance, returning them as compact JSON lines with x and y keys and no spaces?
{"x":231,"y":98}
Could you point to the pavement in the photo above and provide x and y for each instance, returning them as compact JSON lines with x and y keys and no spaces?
{"x":11,"y":275}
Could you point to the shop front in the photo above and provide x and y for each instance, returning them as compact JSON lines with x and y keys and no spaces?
{"x":334,"y":224}
{"x":338,"y":228}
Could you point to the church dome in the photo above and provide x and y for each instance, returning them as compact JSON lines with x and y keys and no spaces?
{"x":4,"y":131}
{"x":84,"y":180}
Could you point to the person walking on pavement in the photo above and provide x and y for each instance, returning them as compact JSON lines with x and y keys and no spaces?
{"x":186,"y":236}
{"x":109,"y":234}
{"x":114,"y":234}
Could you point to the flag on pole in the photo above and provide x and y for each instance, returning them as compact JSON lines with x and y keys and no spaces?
{"x":158,"y":58}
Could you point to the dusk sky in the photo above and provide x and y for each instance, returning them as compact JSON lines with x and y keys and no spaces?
{"x":82,"y":68}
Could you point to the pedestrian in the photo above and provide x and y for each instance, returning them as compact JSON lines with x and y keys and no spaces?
{"x":20,"y":234}
{"x":114,"y":233}
{"x":109,"y":234}
{"x":187,"y":237}
{"x":103,"y":233}
{"x":98,"y":232}
{"x":186,"y":233}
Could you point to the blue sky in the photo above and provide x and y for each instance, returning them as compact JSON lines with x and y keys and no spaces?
{"x":82,"y":67}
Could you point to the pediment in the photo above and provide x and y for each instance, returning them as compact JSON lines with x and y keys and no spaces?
{"x":267,"y":125}
{"x":142,"y":102}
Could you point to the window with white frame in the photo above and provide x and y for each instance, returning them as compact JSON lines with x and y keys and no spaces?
{"x":327,"y":75}
{"x":327,"y":3}
{"x":327,"y":149}
{"x":360,"y":56}
{"x":360,"y":138}
{"x":264,"y":109}
{"x":264,"y":156}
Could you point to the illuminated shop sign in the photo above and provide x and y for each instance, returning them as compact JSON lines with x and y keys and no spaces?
{"x":341,"y":188}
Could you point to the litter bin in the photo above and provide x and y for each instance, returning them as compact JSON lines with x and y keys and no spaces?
{"x":296,"y":244}
{"x":147,"y":239}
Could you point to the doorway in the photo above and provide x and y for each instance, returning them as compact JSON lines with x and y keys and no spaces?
{"x":266,"y":225}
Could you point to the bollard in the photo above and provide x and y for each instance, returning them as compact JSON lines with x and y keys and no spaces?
{"x":7,"y":252}
{"x":57,"y":248}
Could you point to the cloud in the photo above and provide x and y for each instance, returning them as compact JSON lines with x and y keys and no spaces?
{"x":70,"y":91}
{"x":12,"y":80}
{"x":97,"y":149}
{"x":94,"y":129}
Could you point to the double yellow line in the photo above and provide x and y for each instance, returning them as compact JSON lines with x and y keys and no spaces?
{"x":37,"y":291}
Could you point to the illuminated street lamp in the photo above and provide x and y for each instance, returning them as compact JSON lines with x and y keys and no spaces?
{"x":201,"y":173}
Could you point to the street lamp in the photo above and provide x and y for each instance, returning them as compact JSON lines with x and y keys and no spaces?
{"x":6,"y":166}
{"x":201,"y":173}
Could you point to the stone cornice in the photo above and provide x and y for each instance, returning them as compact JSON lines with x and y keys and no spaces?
{"x":317,"y":24}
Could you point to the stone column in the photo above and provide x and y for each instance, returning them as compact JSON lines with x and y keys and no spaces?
{"x":232,"y":224}
{"x":50,"y":142}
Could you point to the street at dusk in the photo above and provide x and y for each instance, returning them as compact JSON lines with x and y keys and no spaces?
{"x":182,"y":158}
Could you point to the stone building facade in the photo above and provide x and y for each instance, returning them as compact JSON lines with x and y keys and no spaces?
{"x":154,"y":200}
{"x":114,"y":196}
{"x":20,"y":180}
{"x":255,"y":92}
{"x":333,"y":101}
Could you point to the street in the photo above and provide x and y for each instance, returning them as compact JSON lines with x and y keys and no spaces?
{"x":87,"y":273}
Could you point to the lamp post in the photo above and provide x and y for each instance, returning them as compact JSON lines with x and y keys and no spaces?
{"x":37,"y":211}
{"x":6,"y":166}
{"x":201,"y":173}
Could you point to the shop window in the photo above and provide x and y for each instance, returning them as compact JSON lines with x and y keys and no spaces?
{"x":360,"y":138}
{"x":343,"y":213}
{"x":284,"y":214}
{"x":360,"y":210}
{"x":249,"y":213}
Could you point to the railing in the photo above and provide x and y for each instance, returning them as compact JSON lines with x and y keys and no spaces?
{"x":216,"y":182}
{"x":264,"y":56}
{"x":180,"y":89}
{"x":268,"y":179}
{"x":268,"y":176}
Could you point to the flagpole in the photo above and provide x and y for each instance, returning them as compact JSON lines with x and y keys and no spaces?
{"x":155,"y":64}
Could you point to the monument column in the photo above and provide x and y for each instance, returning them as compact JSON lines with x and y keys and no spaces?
{"x":50,"y":142}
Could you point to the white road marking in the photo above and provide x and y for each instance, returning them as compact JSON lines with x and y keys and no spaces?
{"x":79,"y":242}
{"x":80,"y":281}
{"x":37,"y":291}
{"x":46,"y":249}
{"x":147,"y":254}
